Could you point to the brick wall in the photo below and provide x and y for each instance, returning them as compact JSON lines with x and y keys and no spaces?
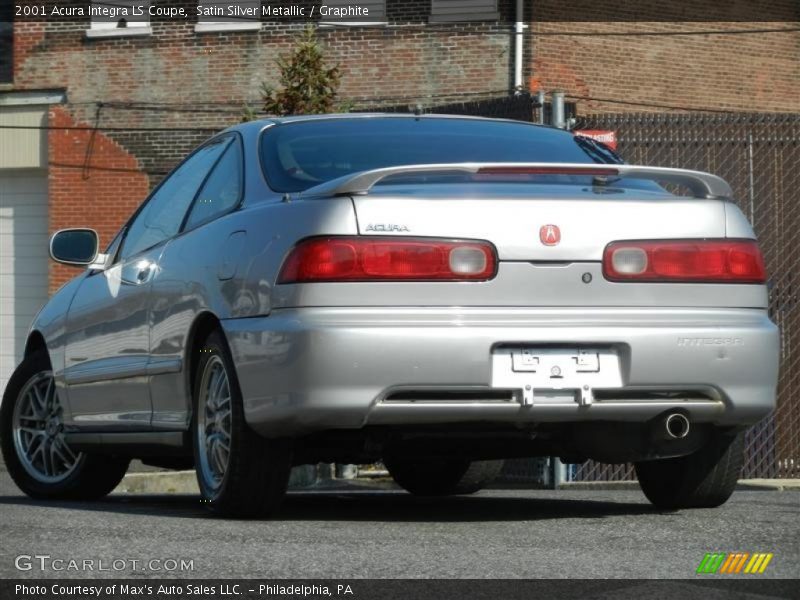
{"x":639,"y":62}
{"x":177,"y":79}
{"x":93,"y":182}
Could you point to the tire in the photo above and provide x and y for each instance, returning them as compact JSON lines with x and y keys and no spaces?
{"x":250,"y":478}
{"x":704,"y":479}
{"x":23,"y":424}
{"x":442,"y":477}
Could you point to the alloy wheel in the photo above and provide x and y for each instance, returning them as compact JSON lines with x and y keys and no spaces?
{"x":38,"y":431}
{"x":214,"y":423}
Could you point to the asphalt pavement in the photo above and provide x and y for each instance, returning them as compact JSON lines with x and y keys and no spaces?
{"x":380,"y":533}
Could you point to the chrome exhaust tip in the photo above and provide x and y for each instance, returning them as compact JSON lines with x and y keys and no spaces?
{"x":676,"y":426}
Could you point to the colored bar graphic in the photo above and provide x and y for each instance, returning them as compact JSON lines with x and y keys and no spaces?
{"x":726,"y":566}
{"x":757,"y":564}
{"x":733,"y":562}
{"x":764,"y":564}
{"x":751,"y":565}
{"x":711,"y":562}
{"x":718,"y":558}
{"x":704,"y":563}
{"x":742,"y":559}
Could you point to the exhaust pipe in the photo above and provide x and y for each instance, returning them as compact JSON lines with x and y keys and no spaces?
{"x":676,"y":426}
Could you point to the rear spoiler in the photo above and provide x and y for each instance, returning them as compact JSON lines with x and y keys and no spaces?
{"x":702,"y":185}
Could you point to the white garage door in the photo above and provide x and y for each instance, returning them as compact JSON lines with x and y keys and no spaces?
{"x":23,"y":260}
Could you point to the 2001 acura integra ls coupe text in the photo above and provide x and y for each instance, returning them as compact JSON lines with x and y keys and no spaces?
{"x":436,"y":292}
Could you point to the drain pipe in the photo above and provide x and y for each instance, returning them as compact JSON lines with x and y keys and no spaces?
{"x":557,"y":114}
{"x":519,"y":31}
{"x":540,"y":100}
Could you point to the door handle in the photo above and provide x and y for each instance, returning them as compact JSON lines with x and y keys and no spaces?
{"x":138,"y":273}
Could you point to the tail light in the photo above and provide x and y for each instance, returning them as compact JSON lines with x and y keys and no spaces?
{"x":388,"y":259}
{"x":690,"y":261}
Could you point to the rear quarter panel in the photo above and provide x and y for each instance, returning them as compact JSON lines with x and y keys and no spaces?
{"x":227,"y":268}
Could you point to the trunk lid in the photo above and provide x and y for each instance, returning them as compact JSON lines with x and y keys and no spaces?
{"x":512,"y":217}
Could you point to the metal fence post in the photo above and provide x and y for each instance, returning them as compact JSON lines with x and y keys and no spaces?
{"x":559,"y":470}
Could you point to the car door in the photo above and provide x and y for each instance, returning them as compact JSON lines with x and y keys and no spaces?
{"x":107,"y":353}
{"x":191,"y":268}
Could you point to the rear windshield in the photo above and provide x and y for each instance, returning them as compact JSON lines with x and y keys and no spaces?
{"x":300,"y":155}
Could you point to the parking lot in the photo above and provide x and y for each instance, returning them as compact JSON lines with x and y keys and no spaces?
{"x":383,"y":533}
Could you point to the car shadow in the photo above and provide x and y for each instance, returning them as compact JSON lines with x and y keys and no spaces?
{"x":366,"y":505}
{"x":481,"y":507}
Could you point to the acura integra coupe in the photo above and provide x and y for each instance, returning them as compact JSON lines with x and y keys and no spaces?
{"x":439,"y":293}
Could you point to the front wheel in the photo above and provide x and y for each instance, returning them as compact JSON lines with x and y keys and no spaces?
{"x":36,"y":452}
{"x":442,"y":477}
{"x":703,"y":479}
{"x":240,"y":473}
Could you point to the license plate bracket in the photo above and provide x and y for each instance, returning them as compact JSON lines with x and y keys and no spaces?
{"x":552,"y":374}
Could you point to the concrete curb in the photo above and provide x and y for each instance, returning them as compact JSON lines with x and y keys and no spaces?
{"x":776,"y":485}
{"x":184,"y":482}
{"x":600,"y":485}
{"x":172,"y":482}
{"x":780,"y":485}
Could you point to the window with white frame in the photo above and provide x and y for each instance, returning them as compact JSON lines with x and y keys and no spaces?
{"x":112,"y":18}
{"x":450,"y":11}
{"x":240,"y":15}
{"x":351,"y":14}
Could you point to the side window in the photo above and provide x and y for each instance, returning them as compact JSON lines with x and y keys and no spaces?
{"x":161,"y":218}
{"x":222,"y":189}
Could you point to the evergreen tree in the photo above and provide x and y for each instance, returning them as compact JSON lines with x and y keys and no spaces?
{"x":307,"y":85}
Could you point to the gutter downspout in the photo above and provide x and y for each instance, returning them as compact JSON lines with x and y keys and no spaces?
{"x":519,"y":31}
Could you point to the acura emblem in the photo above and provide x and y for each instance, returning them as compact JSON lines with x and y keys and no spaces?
{"x":550,"y":235}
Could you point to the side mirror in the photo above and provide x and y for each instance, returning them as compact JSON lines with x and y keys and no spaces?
{"x":74,"y":246}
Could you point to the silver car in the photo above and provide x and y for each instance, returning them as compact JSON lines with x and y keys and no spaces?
{"x":439,"y":293}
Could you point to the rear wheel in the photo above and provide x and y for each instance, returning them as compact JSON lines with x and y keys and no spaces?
{"x":442,"y":477}
{"x":704,"y":479}
{"x":37,"y":455}
{"x":240,"y":473}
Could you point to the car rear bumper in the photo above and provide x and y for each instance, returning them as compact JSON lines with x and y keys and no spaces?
{"x":311,"y":369}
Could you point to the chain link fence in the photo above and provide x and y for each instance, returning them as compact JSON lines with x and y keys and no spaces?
{"x":759,"y":155}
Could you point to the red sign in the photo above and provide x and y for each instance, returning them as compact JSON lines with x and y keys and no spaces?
{"x":609,"y":138}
